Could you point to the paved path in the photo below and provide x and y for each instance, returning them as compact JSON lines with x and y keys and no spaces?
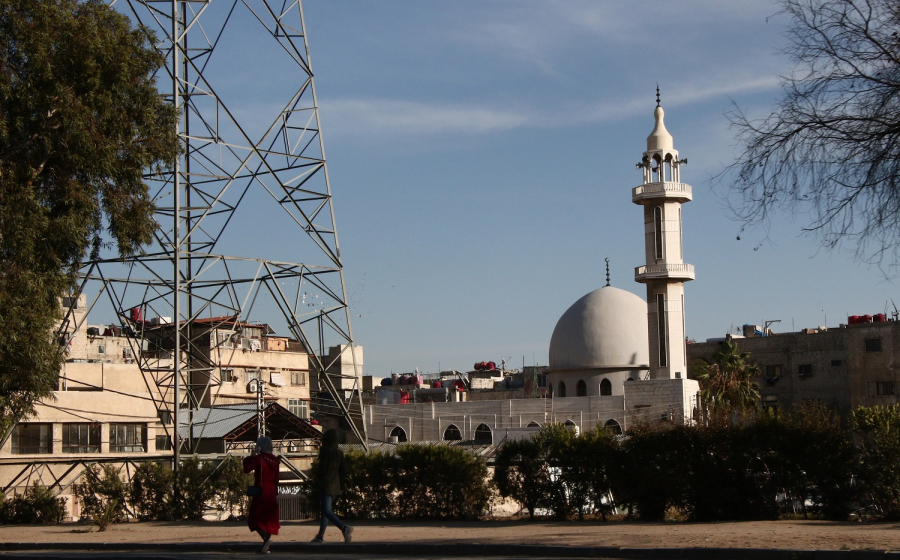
{"x":477,"y":539}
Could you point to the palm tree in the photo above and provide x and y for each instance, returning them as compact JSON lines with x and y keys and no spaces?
{"x":726,"y":384}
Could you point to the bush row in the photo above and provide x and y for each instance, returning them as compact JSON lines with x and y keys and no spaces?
{"x":761,"y":468}
{"x":415,"y":482}
{"x":105,"y":497}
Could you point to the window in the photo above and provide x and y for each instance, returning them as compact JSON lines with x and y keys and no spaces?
{"x":298,"y":378}
{"x":452,"y":433}
{"x":657,"y":221}
{"x":873,"y":345}
{"x":614,"y":426}
{"x":163,"y":443}
{"x":399,"y":433}
{"x":770,"y":401}
{"x":884,"y":388}
{"x":126,"y":438}
{"x":836,"y":363}
{"x":581,"y":388}
{"x":252,"y":374}
{"x":81,"y":438}
{"x":661,"y":328}
{"x":605,"y":388}
{"x":483,"y":434}
{"x":773,"y":370}
{"x":101,"y":349}
{"x":165,"y":417}
{"x":299,"y":407}
{"x":32,"y":438}
{"x":571,"y":426}
{"x":533,"y":425}
{"x":804,"y":369}
{"x":562,"y":389}
{"x":225,"y":339}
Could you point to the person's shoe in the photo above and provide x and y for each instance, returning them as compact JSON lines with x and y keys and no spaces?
{"x":348,"y":533}
{"x":266,"y":544}
{"x":317,"y":540}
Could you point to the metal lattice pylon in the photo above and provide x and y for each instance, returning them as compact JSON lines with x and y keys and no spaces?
{"x":246,"y":226}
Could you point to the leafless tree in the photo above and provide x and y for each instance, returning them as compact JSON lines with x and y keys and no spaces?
{"x":829,"y":149}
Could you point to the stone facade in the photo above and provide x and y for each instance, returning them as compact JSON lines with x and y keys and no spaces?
{"x":670,"y":400}
{"x":843,"y":368}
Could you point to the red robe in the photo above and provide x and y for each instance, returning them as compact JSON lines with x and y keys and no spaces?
{"x":264,"y":509}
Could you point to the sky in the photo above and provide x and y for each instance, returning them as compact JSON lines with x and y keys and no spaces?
{"x":482,"y":156}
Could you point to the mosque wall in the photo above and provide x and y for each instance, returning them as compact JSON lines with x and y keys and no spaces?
{"x":671,"y":400}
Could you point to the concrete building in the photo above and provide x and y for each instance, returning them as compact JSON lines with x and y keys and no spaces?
{"x":614,"y":358}
{"x":106,"y":410}
{"x":854,"y":365}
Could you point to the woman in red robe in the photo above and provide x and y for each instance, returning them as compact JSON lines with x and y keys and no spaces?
{"x":263,"y":516}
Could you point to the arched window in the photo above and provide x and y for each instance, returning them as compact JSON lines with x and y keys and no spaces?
{"x":657,"y":225}
{"x":399,"y":433}
{"x":605,"y":388}
{"x":572,"y":426}
{"x":581,"y":388}
{"x":452,"y":433}
{"x":533,"y":425}
{"x":483,"y":434}
{"x":614,"y":426}
{"x":562,"y":389}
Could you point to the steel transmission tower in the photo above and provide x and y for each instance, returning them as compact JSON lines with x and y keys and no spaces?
{"x":246,"y":228}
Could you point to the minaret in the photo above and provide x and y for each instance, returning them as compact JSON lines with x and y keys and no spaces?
{"x":665,"y":273}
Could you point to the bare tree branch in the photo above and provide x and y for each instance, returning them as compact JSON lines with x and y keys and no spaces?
{"x":830,"y":148}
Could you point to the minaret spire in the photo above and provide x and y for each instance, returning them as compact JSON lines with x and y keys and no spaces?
{"x":662,"y":194}
{"x":607,"y":272}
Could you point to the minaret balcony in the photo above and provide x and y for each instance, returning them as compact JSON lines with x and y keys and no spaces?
{"x":667,"y":191}
{"x":679,"y":272}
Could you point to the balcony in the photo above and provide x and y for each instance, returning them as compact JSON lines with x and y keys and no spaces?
{"x":682,"y":272}
{"x":656,"y":192}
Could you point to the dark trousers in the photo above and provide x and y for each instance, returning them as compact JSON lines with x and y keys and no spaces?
{"x":327,"y":514}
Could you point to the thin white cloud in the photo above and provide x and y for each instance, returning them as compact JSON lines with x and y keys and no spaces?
{"x":392,"y":118}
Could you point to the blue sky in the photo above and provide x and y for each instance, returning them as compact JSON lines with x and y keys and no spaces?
{"x":482,"y":155}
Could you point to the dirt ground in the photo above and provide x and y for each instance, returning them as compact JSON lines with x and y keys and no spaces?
{"x":796,"y":535}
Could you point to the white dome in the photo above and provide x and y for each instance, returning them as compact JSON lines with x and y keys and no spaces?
{"x":607,"y":328}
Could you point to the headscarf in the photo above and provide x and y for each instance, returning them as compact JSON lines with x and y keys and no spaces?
{"x":264,"y":445}
{"x":330,"y":438}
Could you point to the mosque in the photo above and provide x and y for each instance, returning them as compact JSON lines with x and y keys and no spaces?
{"x":615,"y":358}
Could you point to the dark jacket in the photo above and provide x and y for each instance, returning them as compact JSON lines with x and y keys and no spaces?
{"x":331,"y":465}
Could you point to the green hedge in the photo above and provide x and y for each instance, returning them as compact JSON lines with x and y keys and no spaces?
{"x":775,"y":465}
{"x":417,"y":481}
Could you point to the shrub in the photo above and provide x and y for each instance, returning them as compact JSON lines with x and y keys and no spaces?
{"x":101,"y":486}
{"x":440,"y":482}
{"x":151,"y":492}
{"x":37,"y":505}
{"x":879,"y":427}
{"x":196,"y":486}
{"x":521,"y":473}
{"x":650,"y":475}
{"x":421,"y":481}
{"x":231,"y":482}
{"x":370,"y":485}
